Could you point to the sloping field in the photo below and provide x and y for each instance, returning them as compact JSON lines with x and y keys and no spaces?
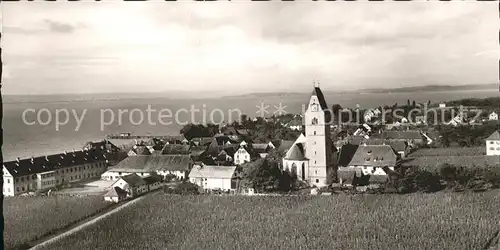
{"x":415,"y":221}
{"x":28,"y":218}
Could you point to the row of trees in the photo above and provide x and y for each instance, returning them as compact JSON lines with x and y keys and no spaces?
{"x":466,"y":136}
{"x":448,"y":177}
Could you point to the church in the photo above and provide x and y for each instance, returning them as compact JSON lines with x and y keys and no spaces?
{"x":312,"y":156}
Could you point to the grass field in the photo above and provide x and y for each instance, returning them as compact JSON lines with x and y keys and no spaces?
{"x":415,"y":221}
{"x":27,"y":218}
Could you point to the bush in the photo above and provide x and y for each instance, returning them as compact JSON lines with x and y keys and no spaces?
{"x":185,"y":188}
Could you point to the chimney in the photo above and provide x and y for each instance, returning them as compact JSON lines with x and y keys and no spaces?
{"x":46,"y":158}
{"x":18,"y":159}
{"x":32,"y":159}
{"x":364,"y":144}
{"x":65,"y":152}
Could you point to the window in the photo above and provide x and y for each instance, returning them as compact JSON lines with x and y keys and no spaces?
{"x":316,"y":172}
{"x":23,"y":189}
{"x":491,"y":142}
{"x":314,"y":121}
{"x":492,"y":148}
{"x":8,"y":180}
{"x":22,"y":178}
{"x":120,"y":173}
{"x":17,"y":189}
{"x":8,"y":190}
{"x":314,"y":152}
{"x":17,"y":179}
{"x":317,"y":180}
{"x":314,"y":132}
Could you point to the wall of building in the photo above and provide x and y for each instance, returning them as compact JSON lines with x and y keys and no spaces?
{"x":369,"y":170}
{"x":33,"y":182}
{"x":181,"y":175}
{"x":492,"y":147}
{"x":212,"y":183}
{"x":241,"y":156}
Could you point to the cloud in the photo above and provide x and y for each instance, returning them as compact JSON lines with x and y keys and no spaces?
{"x":59,"y":27}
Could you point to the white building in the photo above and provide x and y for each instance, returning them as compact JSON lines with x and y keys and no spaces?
{"x":115,"y":194}
{"x":132,"y":184}
{"x":493,"y":116}
{"x":213,"y":177}
{"x":312,"y":155}
{"x":241,"y":156}
{"x":493,"y":144}
{"x":46,"y":172}
{"x":145,"y":165}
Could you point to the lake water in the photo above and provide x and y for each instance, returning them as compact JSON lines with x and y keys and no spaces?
{"x":23,"y":140}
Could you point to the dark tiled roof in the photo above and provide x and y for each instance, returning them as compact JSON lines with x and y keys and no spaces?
{"x":116,"y":192}
{"x":152,"y":179}
{"x":154,"y":163}
{"x":260,"y":147}
{"x":133,"y":180}
{"x":296,"y":153}
{"x":494,"y":136}
{"x":322,"y":102}
{"x":175,"y":149}
{"x":53,"y":162}
{"x":198,"y":150}
{"x":346,"y":154}
{"x":284,"y":145}
{"x":101,"y":145}
{"x":374,"y":155}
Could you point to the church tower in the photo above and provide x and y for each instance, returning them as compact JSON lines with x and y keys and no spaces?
{"x":319,"y":146}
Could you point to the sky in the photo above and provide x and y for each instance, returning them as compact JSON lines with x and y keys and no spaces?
{"x":243,"y":47}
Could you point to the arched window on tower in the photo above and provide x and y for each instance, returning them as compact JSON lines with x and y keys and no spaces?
{"x":314,"y":121}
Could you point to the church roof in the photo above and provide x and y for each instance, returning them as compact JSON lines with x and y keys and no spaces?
{"x":322,"y":102}
{"x":296,"y":153}
{"x":494,"y":136}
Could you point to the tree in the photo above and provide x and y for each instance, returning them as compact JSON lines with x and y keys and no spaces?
{"x":262,"y":176}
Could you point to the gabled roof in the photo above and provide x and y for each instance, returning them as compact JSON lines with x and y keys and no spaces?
{"x":151,"y":163}
{"x":42,"y":164}
{"x":133,"y":180}
{"x":346,"y":154}
{"x":494,"y":136}
{"x":222,"y":172}
{"x":101,"y":145}
{"x":285,"y":145}
{"x":374,"y":155}
{"x":151,"y":179}
{"x":260,"y":147}
{"x":175,"y":149}
{"x":141,"y":150}
{"x":296,"y":153}
{"x":116,"y":192}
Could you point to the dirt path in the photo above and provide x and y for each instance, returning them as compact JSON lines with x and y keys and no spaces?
{"x":50,"y":239}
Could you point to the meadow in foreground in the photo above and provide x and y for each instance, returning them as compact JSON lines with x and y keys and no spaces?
{"x":28,"y":218}
{"x":415,"y":221}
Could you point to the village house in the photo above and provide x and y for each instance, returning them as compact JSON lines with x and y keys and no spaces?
{"x":241,"y":156}
{"x":262,"y":149}
{"x":46,"y":172}
{"x":145,"y":165}
{"x":493,"y":144}
{"x":214,"y":177}
{"x":154,"y":182}
{"x":493,"y":116}
{"x":369,"y":160}
{"x":115,"y":194}
{"x":401,"y":147}
{"x":132,"y":184}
